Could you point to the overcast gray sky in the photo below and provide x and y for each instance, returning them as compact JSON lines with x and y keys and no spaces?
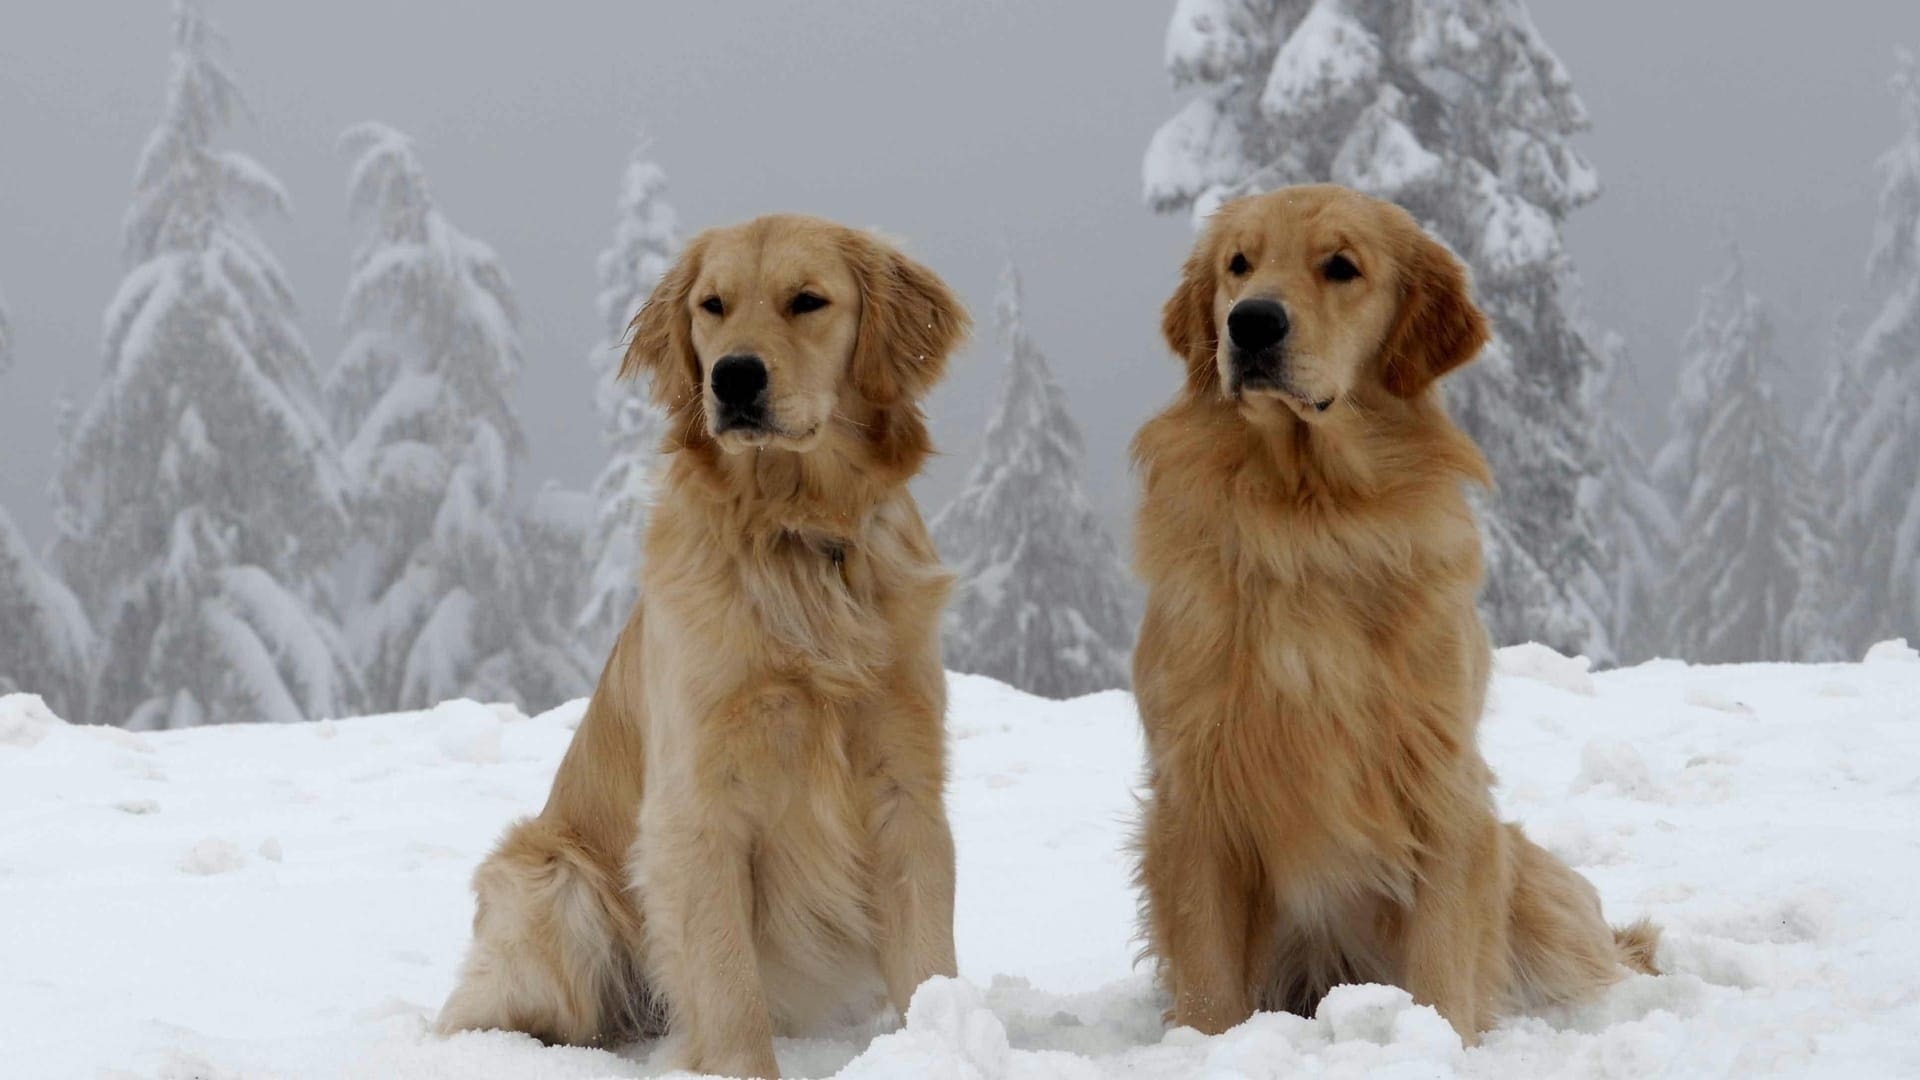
{"x":965,"y":129}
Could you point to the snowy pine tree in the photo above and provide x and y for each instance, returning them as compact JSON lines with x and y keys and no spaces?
{"x":1871,"y":439}
{"x":1745,"y":585}
{"x":45,"y":642}
{"x":1726,"y":314}
{"x":1043,"y":601}
{"x":1457,"y":110}
{"x":429,"y":444}
{"x":1846,"y":604}
{"x":553,"y":562}
{"x":1834,"y":419}
{"x":201,"y":497}
{"x":1642,"y":522}
{"x":644,"y":246}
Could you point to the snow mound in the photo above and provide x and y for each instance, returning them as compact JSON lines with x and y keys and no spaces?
{"x":1895,"y":651}
{"x":213,"y":856}
{"x":1535,"y":661}
{"x":25,"y":720}
{"x":1708,"y":697}
{"x":1612,"y":761}
{"x":292,"y":900}
{"x":469,"y":732}
{"x":949,"y":1032}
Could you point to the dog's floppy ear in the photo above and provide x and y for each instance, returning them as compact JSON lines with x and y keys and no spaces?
{"x":1187,"y":319}
{"x":1438,"y":327}
{"x":909,"y":322}
{"x":661,"y":343}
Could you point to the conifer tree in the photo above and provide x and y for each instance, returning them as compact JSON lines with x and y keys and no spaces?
{"x":1751,"y":535}
{"x":201,"y":498}
{"x":430,"y":445}
{"x":1642,"y":522}
{"x":644,"y":245}
{"x":1871,"y":435}
{"x":1042,"y":600}
{"x":45,"y":642}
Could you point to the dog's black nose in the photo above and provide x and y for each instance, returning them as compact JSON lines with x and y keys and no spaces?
{"x":1257,"y":325}
{"x":739,"y":382}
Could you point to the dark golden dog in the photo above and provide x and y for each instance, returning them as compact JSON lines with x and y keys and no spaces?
{"x":748,"y":832}
{"x":1311,"y":669}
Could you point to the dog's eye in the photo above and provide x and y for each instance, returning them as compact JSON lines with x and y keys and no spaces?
{"x":807,"y":301}
{"x":1339,"y":268}
{"x":1239,"y":266}
{"x":713,"y":306}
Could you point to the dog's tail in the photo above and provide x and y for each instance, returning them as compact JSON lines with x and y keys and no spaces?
{"x":1563,"y":949}
{"x":557,"y":946}
{"x":1636,"y":943}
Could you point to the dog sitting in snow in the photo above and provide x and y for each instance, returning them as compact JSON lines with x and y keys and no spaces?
{"x":1311,"y":668}
{"x":748,"y":832}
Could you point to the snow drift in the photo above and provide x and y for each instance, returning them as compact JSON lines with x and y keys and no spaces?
{"x":291,"y":900}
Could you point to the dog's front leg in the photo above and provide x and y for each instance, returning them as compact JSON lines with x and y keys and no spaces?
{"x":699,"y":882}
{"x":1199,"y":910}
{"x":912,"y":880}
{"x":1457,"y":928}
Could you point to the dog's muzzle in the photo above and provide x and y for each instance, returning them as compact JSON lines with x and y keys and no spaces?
{"x":740,"y":390}
{"x":1257,"y":337}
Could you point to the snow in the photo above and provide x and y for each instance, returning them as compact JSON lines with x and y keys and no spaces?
{"x":1329,"y":58}
{"x":249,"y":182}
{"x":212,"y":856}
{"x":1382,"y":154}
{"x":1210,"y":40}
{"x":291,"y":900}
{"x":26,"y":721}
{"x":1195,"y":151}
{"x":1896,"y":651}
{"x":1535,"y":661}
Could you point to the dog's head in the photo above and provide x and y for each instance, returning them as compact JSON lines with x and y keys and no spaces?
{"x":1309,"y":295}
{"x":778,"y":332}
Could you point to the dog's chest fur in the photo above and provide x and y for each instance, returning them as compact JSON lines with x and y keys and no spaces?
{"x":767,"y":657}
{"x":816,"y":608}
{"x":1306,"y":615}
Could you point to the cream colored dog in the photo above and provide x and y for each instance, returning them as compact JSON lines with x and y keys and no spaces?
{"x":748,"y":832}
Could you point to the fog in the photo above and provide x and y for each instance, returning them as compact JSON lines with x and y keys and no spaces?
{"x":966,"y":130}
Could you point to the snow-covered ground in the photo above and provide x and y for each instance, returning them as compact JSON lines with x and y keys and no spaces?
{"x":291,"y":901}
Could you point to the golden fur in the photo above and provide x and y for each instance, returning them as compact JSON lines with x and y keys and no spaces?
{"x":1311,"y":669}
{"x":748,"y":832}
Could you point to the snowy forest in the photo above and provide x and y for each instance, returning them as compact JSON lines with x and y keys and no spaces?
{"x":247,"y":530}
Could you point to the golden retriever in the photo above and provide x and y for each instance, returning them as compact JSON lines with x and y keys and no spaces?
{"x":1311,"y":670}
{"x":748,"y":833}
